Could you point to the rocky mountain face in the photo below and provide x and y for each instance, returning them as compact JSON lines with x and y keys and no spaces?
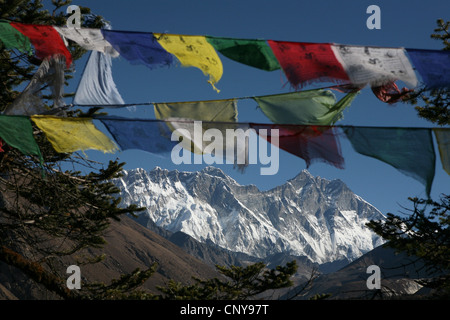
{"x":129,"y":246}
{"x":400,"y":277}
{"x":305,"y":217}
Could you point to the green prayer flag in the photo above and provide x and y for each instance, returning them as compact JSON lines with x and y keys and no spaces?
{"x":311,"y":107}
{"x":17,"y":132}
{"x":255,"y":53}
{"x":409,"y":150}
{"x":13,"y":39}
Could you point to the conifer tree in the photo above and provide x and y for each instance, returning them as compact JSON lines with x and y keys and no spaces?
{"x":47,"y":212}
{"x":424,"y":232}
{"x":240,"y":283}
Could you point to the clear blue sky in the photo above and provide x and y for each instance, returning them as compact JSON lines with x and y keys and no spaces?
{"x":403,"y":24}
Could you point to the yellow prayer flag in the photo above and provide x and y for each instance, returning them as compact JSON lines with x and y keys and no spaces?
{"x":194,"y":51}
{"x":209,"y":111}
{"x":72,"y":134}
{"x":212,"y":110}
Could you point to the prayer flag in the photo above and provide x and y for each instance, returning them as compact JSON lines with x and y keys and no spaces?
{"x":208,"y":111}
{"x":218,"y":142}
{"x":306,"y":63}
{"x":97,"y":85}
{"x":312,"y":107}
{"x":13,"y":39}
{"x":311,"y":143}
{"x":433,"y":66}
{"x":17,"y":132}
{"x":375,"y":66}
{"x":138,"y":48}
{"x":89,"y":39}
{"x":194,"y":51}
{"x":410,"y":151}
{"x":255,"y":53}
{"x":443,"y":141}
{"x":46,"y":41}
{"x":390,"y":93}
{"x":147,"y":135}
{"x":213,"y":110}
{"x":30,"y":101}
{"x":72,"y":134}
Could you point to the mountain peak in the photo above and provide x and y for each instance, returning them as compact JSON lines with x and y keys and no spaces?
{"x":157,"y":168}
{"x":302,"y":178}
{"x":305,"y":173}
{"x":215,"y":172}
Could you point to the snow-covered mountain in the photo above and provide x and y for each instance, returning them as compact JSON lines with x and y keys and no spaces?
{"x":307,"y":216}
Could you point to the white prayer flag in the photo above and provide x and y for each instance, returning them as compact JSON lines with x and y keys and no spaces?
{"x":375,"y":66}
{"x":97,"y":86}
{"x":89,"y":39}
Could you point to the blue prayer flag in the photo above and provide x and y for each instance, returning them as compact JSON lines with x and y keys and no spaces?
{"x":138,"y":47}
{"x":433,"y":66}
{"x":147,"y":135}
{"x":411,"y":151}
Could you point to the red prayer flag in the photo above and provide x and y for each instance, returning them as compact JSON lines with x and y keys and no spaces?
{"x":390,"y":93}
{"x":311,"y":143}
{"x":304,"y":63}
{"x":45,"y":39}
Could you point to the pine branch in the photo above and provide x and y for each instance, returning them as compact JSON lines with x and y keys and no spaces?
{"x":36,"y":272}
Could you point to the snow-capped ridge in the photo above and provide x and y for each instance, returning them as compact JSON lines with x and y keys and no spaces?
{"x":307,"y":216}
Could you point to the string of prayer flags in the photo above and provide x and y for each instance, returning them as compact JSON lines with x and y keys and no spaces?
{"x":89,"y":39}
{"x":73,"y":134}
{"x":194,"y":51}
{"x":410,"y":151}
{"x":13,"y":39}
{"x":375,"y":66}
{"x":306,"y":63}
{"x":303,"y":63}
{"x":311,"y":143}
{"x":150,"y":136}
{"x":46,"y":41}
{"x":139,"y":48}
{"x":255,"y":53}
{"x":311,"y":107}
{"x":433,"y":66}
{"x":97,"y":84}
{"x":443,"y":140}
{"x":17,"y":132}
